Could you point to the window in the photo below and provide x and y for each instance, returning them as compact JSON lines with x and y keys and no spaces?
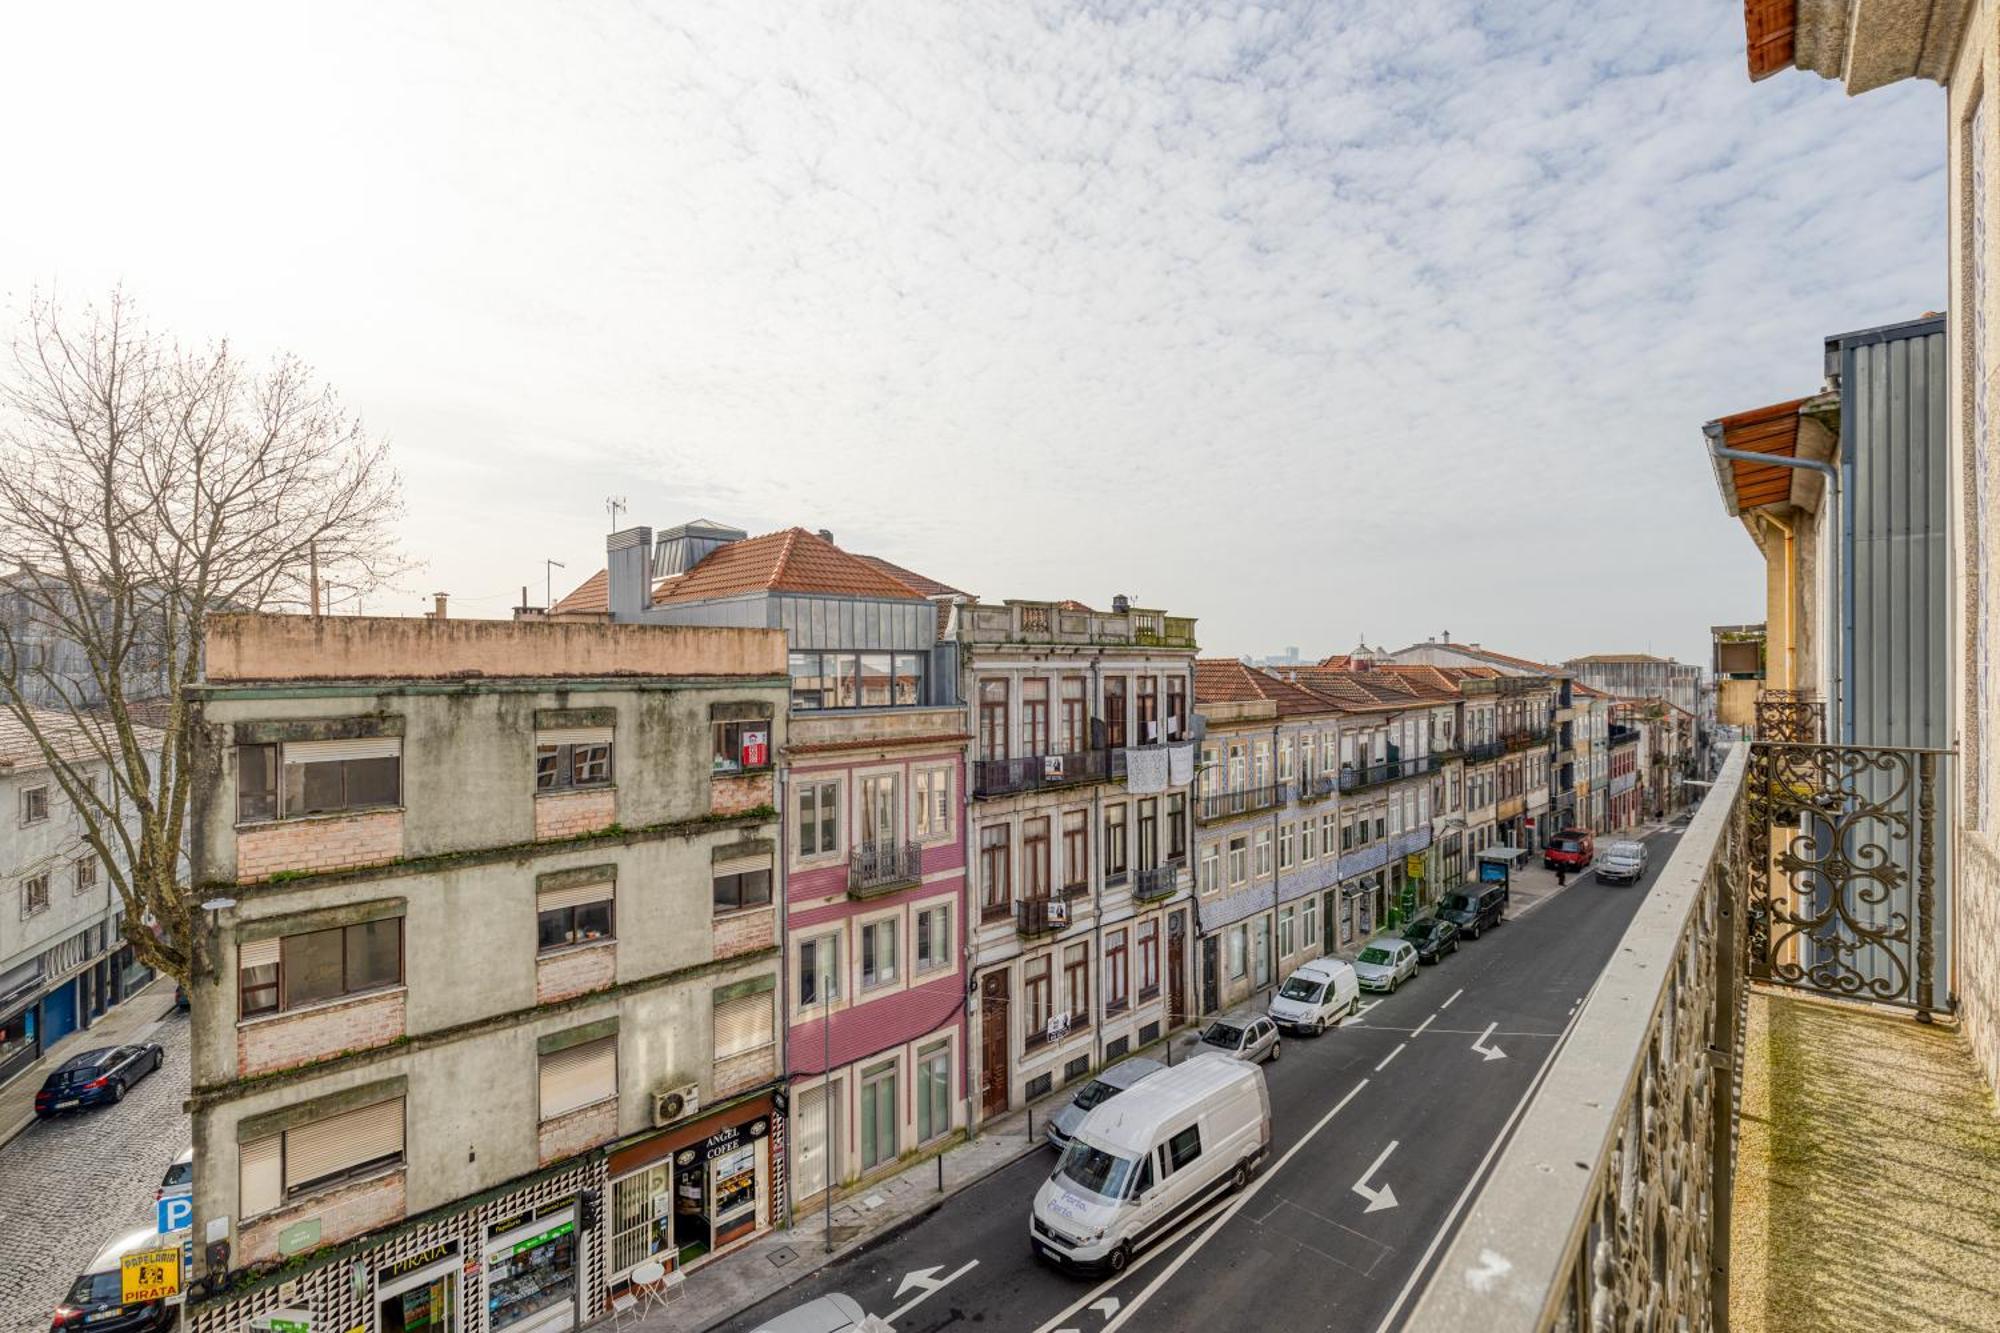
{"x":879,"y":808}
{"x":1075,"y":716}
{"x":810,"y":687}
{"x":1309,"y":923}
{"x":581,"y":914}
{"x":932,"y":813}
{"x":878,"y":1115}
{"x":933,"y":938}
{"x":819,"y":970}
{"x":1347,"y":837}
{"x":1326,"y":823}
{"x":1177,"y":713}
{"x":878,"y":954}
{"x":285,"y":1166}
{"x":1263,"y":844}
{"x":34,"y":895}
{"x":1114,"y":712}
{"x":1035,"y":856}
{"x":1076,"y":983}
{"x":1034,"y":716}
{"x":1287,"y":931}
{"x":85,"y":870}
{"x":1305,"y":842}
{"x":318,"y":777}
{"x":1149,"y":832}
{"x":744,"y":1023}
{"x":1076,"y":851}
{"x":1239,"y":949}
{"x":933,"y":1091}
{"x":1149,"y":959}
{"x":1239,"y":860}
{"x":319,"y":965}
{"x":1260,"y":764}
{"x":1285,"y":847}
{"x":1149,"y":710}
{"x":996,"y":883}
{"x":739,"y":889}
{"x":819,"y":818}
{"x":740,"y":746}
{"x":579,"y":1076}
{"x":1115,"y":864}
{"x":993,"y":719}
{"x":1177,"y":826}
{"x":1037,"y":998}
{"x":1184,"y":1147}
{"x":1117,"y":975}
{"x":34,"y":805}
{"x":1285,"y":759}
{"x":1211,"y":860}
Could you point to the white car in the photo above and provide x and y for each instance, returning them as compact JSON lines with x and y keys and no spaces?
{"x":1386,"y":964}
{"x":1315,"y":997}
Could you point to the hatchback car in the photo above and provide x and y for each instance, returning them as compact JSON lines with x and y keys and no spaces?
{"x":1386,"y":964}
{"x":179,"y":1179}
{"x":1432,"y":937}
{"x":1108,"y":1084}
{"x":1570,"y":849}
{"x":96,"y":1298}
{"x":96,"y":1077}
{"x":1253,"y":1039}
{"x":1622,"y":863}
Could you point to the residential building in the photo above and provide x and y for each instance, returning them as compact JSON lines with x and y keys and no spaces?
{"x":1641,"y":676}
{"x":1625,"y":799}
{"x":1738,"y":670}
{"x":1593,"y":748}
{"x":51,"y":668}
{"x":1267,"y":810}
{"x":1082,"y":778}
{"x":496,"y":965}
{"x":873,"y":873}
{"x":63,"y":957}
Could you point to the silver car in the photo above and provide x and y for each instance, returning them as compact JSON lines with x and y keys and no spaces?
{"x":1386,"y":964}
{"x":1253,"y":1039}
{"x":1621,"y":863}
{"x":1108,"y":1084}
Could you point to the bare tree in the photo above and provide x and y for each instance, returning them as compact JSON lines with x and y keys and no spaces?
{"x":144,"y":484}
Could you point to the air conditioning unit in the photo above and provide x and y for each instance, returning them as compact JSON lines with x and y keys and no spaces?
{"x":1058,"y":912}
{"x":1052,"y":765}
{"x":674,"y":1104}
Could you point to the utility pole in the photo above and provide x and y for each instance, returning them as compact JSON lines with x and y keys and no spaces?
{"x":549,"y":584}
{"x":312,"y":559}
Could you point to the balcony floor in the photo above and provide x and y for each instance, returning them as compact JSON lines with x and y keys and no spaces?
{"x":1868,"y":1178}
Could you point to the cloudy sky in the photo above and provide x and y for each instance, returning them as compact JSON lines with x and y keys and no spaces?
{"x":1311,"y":320}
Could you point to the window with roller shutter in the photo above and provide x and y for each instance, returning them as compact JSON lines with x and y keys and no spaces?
{"x":744,"y":1024}
{"x":579,"y":1076}
{"x":280,"y":1167}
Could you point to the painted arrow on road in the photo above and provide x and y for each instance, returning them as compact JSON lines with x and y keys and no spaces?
{"x":1106,"y":1307}
{"x":927,"y":1283}
{"x":1488,"y":1052}
{"x":1382,"y":1197}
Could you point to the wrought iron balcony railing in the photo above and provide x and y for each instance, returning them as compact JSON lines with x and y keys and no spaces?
{"x":1358,"y":778}
{"x":1158,"y":882}
{"x":1039,"y":916}
{"x":1810,"y":867}
{"x":1480,"y":751}
{"x":1794,"y":716}
{"x":875,"y":868}
{"x":1003,"y":777}
{"x":1229,"y":804}
{"x":1520,"y":738}
{"x":1315,"y":788}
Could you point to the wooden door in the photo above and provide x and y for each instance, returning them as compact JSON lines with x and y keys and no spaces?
{"x":993,"y":1043}
{"x":1211,"y":969}
{"x":1177,"y":1011}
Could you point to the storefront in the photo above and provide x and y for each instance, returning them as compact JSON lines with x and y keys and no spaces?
{"x":690,"y":1193}
{"x":531,"y":1262}
{"x":420,"y":1293}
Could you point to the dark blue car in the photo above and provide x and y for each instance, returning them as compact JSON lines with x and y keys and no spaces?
{"x":96,"y":1077}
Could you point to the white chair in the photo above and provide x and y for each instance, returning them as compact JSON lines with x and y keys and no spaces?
{"x":674,"y":1287}
{"x":622,"y":1308}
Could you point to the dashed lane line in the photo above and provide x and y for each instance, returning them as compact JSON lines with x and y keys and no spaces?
{"x":1390,"y":1056}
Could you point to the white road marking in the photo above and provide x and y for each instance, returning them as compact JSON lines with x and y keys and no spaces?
{"x":1235,"y":1206}
{"x":1454,"y":995}
{"x":1106,"y":1307}
{"x":1390,"y":1056}
{"x":1488,"y":1052}
{"x":1090,"y":1299}
{"x":1378,"y":1199}
{"x":1421,"y":1026}
{"x":931,"y":1287}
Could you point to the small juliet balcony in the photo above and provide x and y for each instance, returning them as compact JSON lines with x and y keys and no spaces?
{"x":1480,"y":751}
{"x":1005,"y":777}
{"x":1315,"y":788}
{"x":878,"y":868}
{"x":1522,"y":738}
{"x":1229,"y":804}
{"x":1034,"y":917}
{"x":1156,"y":883}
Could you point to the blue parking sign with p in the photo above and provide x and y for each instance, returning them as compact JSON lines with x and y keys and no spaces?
{"x":176,"y":1213}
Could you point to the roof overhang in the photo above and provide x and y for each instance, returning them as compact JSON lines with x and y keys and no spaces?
{"x":1802,"y":428}
{"x":1865,"y":44}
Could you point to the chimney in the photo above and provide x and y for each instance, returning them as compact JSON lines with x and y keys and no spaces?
{"x":628,"y":571}
{"x":438,"y":600}
{"x":1120,"y":604}
{"x":1447,"y":636}
{"x":826,"y":535}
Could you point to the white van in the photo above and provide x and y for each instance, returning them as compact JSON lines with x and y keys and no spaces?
{"x":1143,"y":1161}
{"x":1316,"y":996}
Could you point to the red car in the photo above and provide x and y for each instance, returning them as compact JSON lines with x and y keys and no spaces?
{"x":1571,"y":850}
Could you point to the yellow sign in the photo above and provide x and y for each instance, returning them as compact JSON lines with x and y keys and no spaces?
{"x":150,"y":1275}
{"x":1413,"y":865}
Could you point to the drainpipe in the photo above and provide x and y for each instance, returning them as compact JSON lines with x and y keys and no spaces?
{"x":1843,"y":506}
{"x":1277,"y":818}
{"x":1094,"y":837}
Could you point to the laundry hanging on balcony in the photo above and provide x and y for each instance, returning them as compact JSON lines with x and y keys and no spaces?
{"x":1180,"y":764}
{"x":1146,"y":769}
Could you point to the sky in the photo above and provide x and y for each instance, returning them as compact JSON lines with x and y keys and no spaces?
{"x":1313,"y":321}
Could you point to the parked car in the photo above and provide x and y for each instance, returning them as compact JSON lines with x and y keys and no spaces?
{"x":1322,"y":992}
{"x":1108,"y":1084}
{"x":1432,"y":937}
{"x":831,"y":1313}
{"x":1570,"y":849}
{"x":96,"y":1298}
{"x":1254,"y":1040}
{"x":1137,"y":1168}
{"x":1623,"y":863}
{"x":1385,"y":964}
{"x":96,"y":1077}
{"x":179,"y":1179}
{"x":1474,"y":909}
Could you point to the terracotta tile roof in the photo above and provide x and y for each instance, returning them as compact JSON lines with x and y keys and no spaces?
{"x":793,"y":560}
{"x":1226,"y":680}
{"x":592,"y":595}
{"x":929,"y":587}
{"x":72,"y":737}
{"x":1071,"y":604}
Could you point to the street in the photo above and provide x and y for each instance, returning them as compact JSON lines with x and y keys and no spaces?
{"x":70,"y":1184}
{"x":1380,"y":1130}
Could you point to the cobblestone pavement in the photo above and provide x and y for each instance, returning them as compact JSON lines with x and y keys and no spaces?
{"x":70,"y":1184}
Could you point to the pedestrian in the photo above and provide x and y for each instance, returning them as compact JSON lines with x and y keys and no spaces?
{"x":1562,"y":876}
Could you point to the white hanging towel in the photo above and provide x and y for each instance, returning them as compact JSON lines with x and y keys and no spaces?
{"x":1145,"y":769}
{"x":1180,"y":764}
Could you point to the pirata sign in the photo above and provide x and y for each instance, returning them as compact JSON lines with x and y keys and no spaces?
{"x":150,"y":1275}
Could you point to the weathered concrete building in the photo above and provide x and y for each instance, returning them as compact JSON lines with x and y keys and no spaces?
{"x":495,"y":945}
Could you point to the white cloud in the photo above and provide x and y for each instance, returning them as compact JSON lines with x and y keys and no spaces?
{"x":1303,"y":319}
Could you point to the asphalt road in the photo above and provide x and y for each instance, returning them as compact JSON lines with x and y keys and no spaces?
{"x":1404,"y":1098}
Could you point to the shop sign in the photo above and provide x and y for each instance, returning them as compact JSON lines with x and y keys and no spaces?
{"x":527,"y":1215}
{"x":1413,"y":865}
{"x":553,"y":1233}
{"x":421,"y":1259}
{"x":725,"y":1141}
{"x":283,"y":1321}
{"x":150,"y":1275}
{"x":299,"y":1236}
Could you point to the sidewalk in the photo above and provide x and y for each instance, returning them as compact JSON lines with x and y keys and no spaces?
{"x":133,"y":1020}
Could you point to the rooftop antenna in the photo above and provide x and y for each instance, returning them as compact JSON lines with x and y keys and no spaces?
{"x":615,"y":505}
{"x":549,"y":567}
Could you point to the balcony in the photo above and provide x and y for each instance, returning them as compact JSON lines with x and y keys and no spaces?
{"x":1393,"y":770}
{"x":1040,"y":916}
{"x":1756,"y":1149}
{"x":1521,"y":738}
{"x":1622,"y":736}
{"x":1050,"y":622}
{"x":1229,"y":804}
{"x":1480,"y":751}
{"x":1796,"y":716}
{"x":1004,"y":777}
{"x":877,"y":868}
{"x":1159,"y":882}
{"x":1315,"y":788}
